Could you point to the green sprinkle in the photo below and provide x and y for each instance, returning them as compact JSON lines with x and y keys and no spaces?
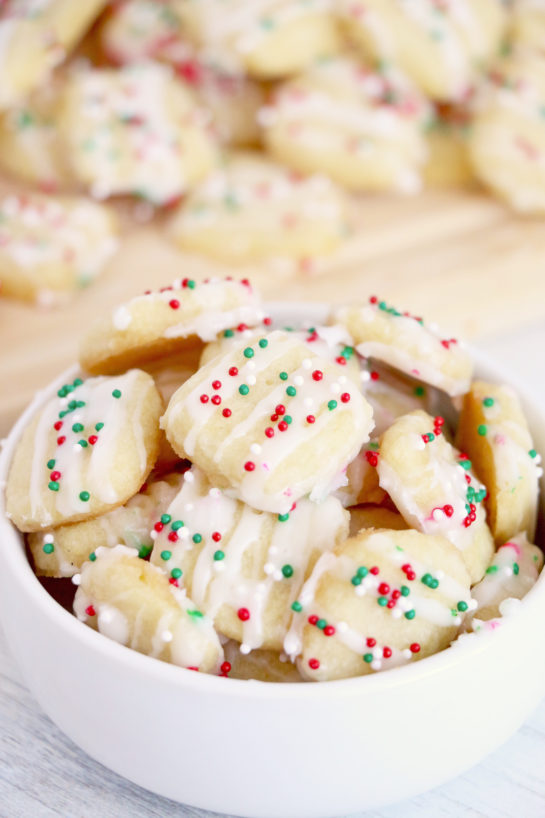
{"x":482,"y":430}
{"x":53,"y":485}
{"x":263,"y":343}
{"x":79,"y":404}
{"x":410,"y":614}
{"x":356,"y":580}
{"x":62,"y":392}
{"x":321,"y":623}
{"x":492,"y":569}
{"x":368,"y":657}
{"x":219,"y":556}
{"x":92,"y":556}
{"x":176,"y":573}
{"x":426,"y":579}
{"x":73,"y":405}
{"x":166,"y":555}
{"x":332,"y":404}
{"x":283,"y":376}
{"x":465,"y":464}
{"x":50,"y":464}
{"x":434,"y":584}
{"x":228,"y":333}
{"x":287,"y":570}
{"x":382,"y":601}
{"x":431,"y":437}
{"x":243,"y":389}
{"x":419,"y":391}
{"x":532,"y":453}
{"x":84,"y":496}
{"x":165,"y":519}
{"x":282,"y":518}
{"x":83,"y":443}
{"x":48,"y":548}
{"x":373,"y":445}
{"x":191,"y":284}
{"x":77,"y":427}
{"x":144,"y":551}
{"x":197,"y":538}
{"x":347,"y":352}
{"x":198,"y":614}
{"x":287,"y":419}
{"x":248,"y":352}
{"x":462,"y":606}
{"x":291,"y":391}
{"x":362,"y":571}
{"x":177,"y":524}
{"x":297,"y":607}
{"x":116,"y":393}
{"x":488,"y":402}
{"x":99,"y":426}
{"x":516,"y":568}
{"x":405,"y":591}
{"x":77,"y":382}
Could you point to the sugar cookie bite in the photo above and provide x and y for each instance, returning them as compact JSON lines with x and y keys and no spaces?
{"x":172,"y":320}
{"x":406,"y":343}
{"x":36,"y":37}
{"x":507,"y":140}
{"x":134,"y":131}
{"x":51,"y":247}
{"x":494,"y":433}
{"x":363,"y":127}
{"x":271,"y":420}
{"x":433,"y":487}
{"x":441,"y":46}
{"x":269,"y":39}
{"x":132,"y":602}
{"x":380,"y":599}
{"x":253,"y":208}
{"x":86,"y":451}
{"x":243,"y":567}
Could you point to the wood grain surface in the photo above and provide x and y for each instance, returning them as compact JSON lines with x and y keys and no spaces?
{"x":460,"y":259}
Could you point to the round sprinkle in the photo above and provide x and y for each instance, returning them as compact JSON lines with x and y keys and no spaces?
{"x":48,"y":548}
{"x":90,"y":611}
{"x":166,"y":555}
{"x":204,"y":398}
{"x":50,"y":464}
{"x":233,"y":371}
{"x":243,"y":614}
{"x":291,"y":391}
{"x":283,"y":376}
{"x":144,"y":551}
{"x":177,"y":524}
{"x":197,"y":538}
{"x":228,"y":333}
{"x":283,"y":517}
{"x":410,"y":614}
{"x":216,"y":400}
{"x":317,"y":375}
{"x":345,"y":397}
{"x":263,"y":343}
{"x":332,"y":404}
{"x":226,"y":413}
{"x":368,"y":657}
{"x":53,"y":485}
{"x":488,"y":402}
{"x":248,"y":352}
{"x":462,"y":606}
{"x":165,"y":519}
{"x":532,"y":453}
{"x":116,"y":393}
{"x":219,"y":556}
{"x":225,"y":668}
{"x":216,"y":384}
{"x":216,"y":536}
{"x":314,"y":664}
{"x":174,"y":304}
{"x":287,"y":570}
{"x":297,"y":607}
{"x":481,"y":430}
{"x":321,"y":623}
{"x":99,"y":426}
{"x":249,"y":465}
{"x":176,"y":573}
{"x":84,"y":496}
{"x":243,"y":389}
{"x":329,"y":630}
{"x":415,"y":647}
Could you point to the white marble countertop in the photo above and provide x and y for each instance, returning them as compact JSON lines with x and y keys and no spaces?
{"x":42,"y":774}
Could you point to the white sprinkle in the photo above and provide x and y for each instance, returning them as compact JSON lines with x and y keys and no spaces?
{"x":298,"y":380}
{"x":396,"y":613}
{"x":77,"y":448}
{"x":342,"y":379}
{"x":335,"y":388}
{"x":277,"y":575}
{"x":250,"y":365}
{"x":48,"y":538}
{"x":306,"y":363}
{"x":406,"y":653}
{"x":244,"y":648}
{"x":189,"y":477}
{"x":76,"y":579}
{"x":376,"y":664}
{"x":219,"y":566}
{"x":166,"y":636}
{"x":251,"y":380}
{"x":342,"y":627}
{"x":214,"y":492}
{"x":439,"y":574}
{"x":361,"y":590}
{"x":255,"y":448}
{"x":153,"y":534}
{"x":309,"y":403}
{"x":189,"y":507}
{"x":268,"y":568}
{"x":365,"y":376}
{"x":457,"y":620}
{"x":419,"y":444}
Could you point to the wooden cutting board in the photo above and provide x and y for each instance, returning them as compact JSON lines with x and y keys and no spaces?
{"x":457,"y":258}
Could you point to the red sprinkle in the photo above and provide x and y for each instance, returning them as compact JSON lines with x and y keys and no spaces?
{"x":204,"y":398}
{"x":317,"y":375}
{"x":55,"y":475}
{"x":226,"y":413}
{"x":329,"y":630}
{"x":249,"y":466}
{"x":174,"y":581}
{"x":282,"y":426}
{"x":374,"y":375}
{"x":226,"y":667}
{"x":314,"y":664}
{"x":372,"y":458}
{"x":267,"y":321}
{"x":341,"y":360}
{"x":274,"y":417}
{"x":174,"y":304}
{"x":311,"y":419}
{"x":371,"y":642}
{"x":242,"y":327}
{"x":387,"y":652}
{"x":243,"y":614}
{"x":216,"y":384}
{"x":57,"y":425}
{"x":269,"y":431}
{"x":280,"y":409}
{"x":373,"y":299}
{"x":172,"y":536}
{"x":60,"y":440}
{"x":216,"y":400}
{"x":384,"y":588}
{"x":90,"y":611}
{"x":158,"y":526}
{"x":313,"y":619}
{"x":216,"y":536}
{"x":374,"y":570}
{"x":93,"y":439}
{"x":345,"y":397}
{"x":415,"y":647}
{"x":449,"y":511}
{"x":233,"y":371}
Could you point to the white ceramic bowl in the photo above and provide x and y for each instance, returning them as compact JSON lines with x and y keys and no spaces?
{"x":263,"y":750}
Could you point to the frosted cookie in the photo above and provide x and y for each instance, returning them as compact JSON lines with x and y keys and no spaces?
{"x":172,"y":320}
{"x":494,"y":433}
{"x":242,"y":567}
{"x":272,"y":420}
{"x":528,"y":24}
{"x":390,"y":394}
{"x":432,"y":486}
{"x":448,"y":164}
{"x":261,"y":665}
{"x":60,"y":552}
{"x":135,"y":131}
{"x":513,"y":571}
{"x":441,"y":46}
{"x":253,"y":208}
{"x":51,"y":247}
{"x":507,"y":141}
{"x":406,"y":343}
{"x":233,"y":101}
{"x":35,"y":36}
{"x":86,"y":451}
{"x":378,"y":600}
{"x":132,"y":602}
{"x":361,"y":127}
{"x":266,"y":39}
{"x":30,"y":148}
{"x":370,"y":516}
{"x":138,"y":30}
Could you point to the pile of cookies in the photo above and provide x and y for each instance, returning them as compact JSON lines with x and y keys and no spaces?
{"x":284,"y":503}
{"x":248,"y":118}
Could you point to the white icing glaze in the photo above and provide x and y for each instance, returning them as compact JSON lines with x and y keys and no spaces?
{"x":513,"y":571}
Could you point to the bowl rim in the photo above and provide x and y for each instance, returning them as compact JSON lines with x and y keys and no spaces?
{"x":461,"y":649}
